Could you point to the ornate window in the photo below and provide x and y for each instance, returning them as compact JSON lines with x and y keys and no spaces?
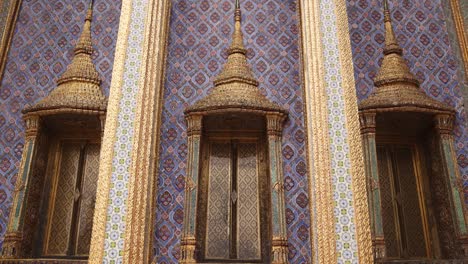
{"x":416,"y":204}
{"x":234,"y":195}
{"x":52,"y":211}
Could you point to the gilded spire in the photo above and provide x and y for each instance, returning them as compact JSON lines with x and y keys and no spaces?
{"x":236,"y":66}
{"x":391,"y":44}
{"x":235,"y":86}
{"x":396,"y":86}
{"x":394,"y":67}
{"x":82,"y":66}
{"x":79,"y":87}
{"x":237,"y":44}
{"x":84,"y":43}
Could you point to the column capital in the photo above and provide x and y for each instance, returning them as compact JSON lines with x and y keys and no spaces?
{"x":444,"y":123}
{"x":367,"y":121}
{"x":194,"y":124}
{"x":275,"y":123}
{"x":33,"y":125}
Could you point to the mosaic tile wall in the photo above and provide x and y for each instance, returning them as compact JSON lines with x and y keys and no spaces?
{"x":42,"y":47}
{"x":421,"y":31}
{"x":200,"y":34}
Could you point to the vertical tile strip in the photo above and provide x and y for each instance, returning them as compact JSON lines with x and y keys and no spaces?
{"x":345,"y":225}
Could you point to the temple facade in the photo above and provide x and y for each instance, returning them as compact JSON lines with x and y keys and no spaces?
{"x":233,"y":131}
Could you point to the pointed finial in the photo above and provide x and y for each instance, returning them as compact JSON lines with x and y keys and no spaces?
{"x":236,"y":65}
{"x":238,"y":12}
{"x":386,"y":12}
{"x":84,"y":43}
{"x":237,"y":45}
{"x":89,"y":15}
{"x":391,"y":44}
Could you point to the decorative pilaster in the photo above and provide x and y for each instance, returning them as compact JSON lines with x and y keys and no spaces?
{"x":444,"y":125}
{"x":368,"y":130}
{"x":14,"y":234}
{"x":188,"y":243}
{"x":279,"y":243}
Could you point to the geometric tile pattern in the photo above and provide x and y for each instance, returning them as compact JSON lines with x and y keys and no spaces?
{"x":200,"y":33}
{"x":41,"y":49}
{"x":345,"y":226}
{"x":422,"y":33}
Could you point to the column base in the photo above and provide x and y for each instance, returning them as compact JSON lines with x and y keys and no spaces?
{"x":12,"y":245}
{"x":279,"y":253}
{"x":464,"y":246}
{"x":188,"y":245}
{"x":378,"y":245}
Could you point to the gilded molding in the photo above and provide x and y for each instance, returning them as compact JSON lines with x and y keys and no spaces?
{"x":96,"y":253}
{"x":361,"y":209}
{"x":320,"y":187}
{"x":7,"y":34}
{"x":461,"y":31}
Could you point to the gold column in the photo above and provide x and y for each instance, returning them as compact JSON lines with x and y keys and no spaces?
{"x":461,"y":32}
{"x":324,"y":242}
{"x":142,"y":187}
{"x":279,"y":253}
{"x":444,"y":125}
{"x":188,"y":243}
{"x":368,"y":129}
{"x":319,"y":162}
{"x":14,"y":234}
{"x":138,"y":236}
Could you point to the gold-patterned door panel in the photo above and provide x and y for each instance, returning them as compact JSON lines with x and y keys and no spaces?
{"x":412,"y":215}
{"x":233,"y":203}
{"x":248,"y":209}
{"x":219,"y":210}
{"x":402,"y":204}
{"x":387,"y":201}
{"x":61,"y":217}
{"x":88,"y":198}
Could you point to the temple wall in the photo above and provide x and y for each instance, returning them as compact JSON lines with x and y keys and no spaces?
{"x":423,"y":33}
{"x":41,"y":49}
{"x":200,"y":33}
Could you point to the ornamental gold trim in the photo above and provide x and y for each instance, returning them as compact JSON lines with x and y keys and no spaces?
{"x":318,"y":151}
{"x":97,"y":250}
{"x":460,"y":28}
{"x":7,"y":34}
